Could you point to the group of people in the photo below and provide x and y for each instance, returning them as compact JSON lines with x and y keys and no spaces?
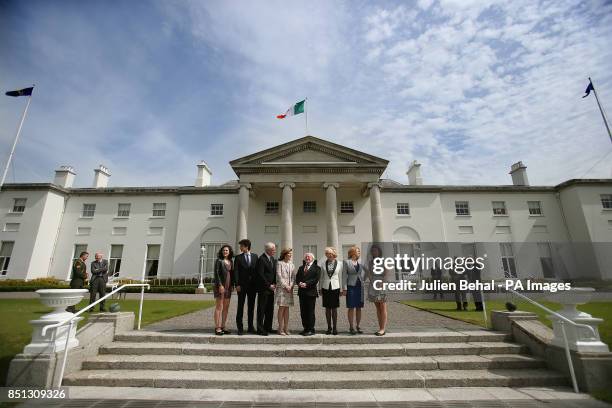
{"x":97,"y":282}
{"x":469,"y":275}
{"x":267,"y":281}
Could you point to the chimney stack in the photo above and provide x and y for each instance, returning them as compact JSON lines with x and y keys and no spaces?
{"x":204,"y":175}
{"x":518,"y":171}
{"x":64,"y":176}
{"x":414,"y":174}
{"x":101,"y":176}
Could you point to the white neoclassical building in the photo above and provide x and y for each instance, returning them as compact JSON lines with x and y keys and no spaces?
{"x":306,"y":194}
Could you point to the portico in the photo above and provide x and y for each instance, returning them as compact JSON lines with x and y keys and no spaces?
{"x":317,"y":171}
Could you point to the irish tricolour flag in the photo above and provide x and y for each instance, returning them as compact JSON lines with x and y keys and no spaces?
{"x":294,"y":110}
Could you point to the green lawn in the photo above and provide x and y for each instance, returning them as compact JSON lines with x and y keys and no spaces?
{"x":15,"y":332}
{"x":596,"y":309}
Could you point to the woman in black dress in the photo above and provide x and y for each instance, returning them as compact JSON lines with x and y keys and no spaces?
{"x":222,"y":287}
{"x":331,"y":276}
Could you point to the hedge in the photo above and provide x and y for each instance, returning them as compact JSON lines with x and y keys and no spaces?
{"x":19,"y":285}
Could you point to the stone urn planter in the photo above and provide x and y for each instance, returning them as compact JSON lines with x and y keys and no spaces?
{"x":579,"y":338}
{"x":54,"y":339}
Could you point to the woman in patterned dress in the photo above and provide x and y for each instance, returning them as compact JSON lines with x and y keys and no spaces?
{"x":222,"y":287}
{"x":377,"y":296}
{"x":285,"y":280}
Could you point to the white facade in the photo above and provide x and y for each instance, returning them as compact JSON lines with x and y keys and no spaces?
{"x":267,"y":203}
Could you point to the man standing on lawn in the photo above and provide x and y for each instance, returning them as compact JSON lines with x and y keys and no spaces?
{"x":79,"y":276}
{"x":99,"y":277}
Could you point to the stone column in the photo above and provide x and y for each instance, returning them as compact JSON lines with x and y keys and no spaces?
{"x":331,"y":206}
{"x":287,"y":216}
{"x":243,"y":212}
{"x":376,"y":212}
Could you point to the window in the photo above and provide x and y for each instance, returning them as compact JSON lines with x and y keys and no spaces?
{"x":507,"y":258}
{"x":119,"y":230}
{"x":272,"y":207}
{"x":499,"y":208}
{"x":462,"y":208}
{"x":347,"y":207}
{"x":83,"y":231}
{"x":152,"y":262}
{"x":19,"y":205}
{"x":466,"y":229}
{"x":216,"y":209}
{"x":88,"y":210}
{"x":271,"y":229}
{"x":345,"y":249}
{"x":78,"y":248}
{"x":411,"y":269}
{"x":11,"y":227}
{"x":159,"y":209}
{"x":212,"y":248}
{"x":502,"y":229}
{"x":346,"y":229}
{"x":535,"y":207}
{"x":123,"y":209}
{"x":606,"y":201}
{"x":6,"y":249}
{"x":540,"y":229}
{"x":308,"y":248}
{"x":310,"y":207}
{"x":469,"y":250}
{"x":114,"y":262}
{"x":156,"y":230}
{"x":546,"y":259}
{"x":403,"y":209}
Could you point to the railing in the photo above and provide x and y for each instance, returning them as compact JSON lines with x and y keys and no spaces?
{"x":70,"y":320}
{"x":563,"y":320}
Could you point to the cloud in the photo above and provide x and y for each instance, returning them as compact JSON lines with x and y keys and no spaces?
{"x":465,"y":87}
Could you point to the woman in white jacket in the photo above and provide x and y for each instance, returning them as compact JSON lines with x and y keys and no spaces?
{"x":329,"y":284}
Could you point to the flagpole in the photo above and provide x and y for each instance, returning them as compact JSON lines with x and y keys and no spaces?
{"x":8,"y":163}
{"x":603,"y":114}
{"x":306,"y":113}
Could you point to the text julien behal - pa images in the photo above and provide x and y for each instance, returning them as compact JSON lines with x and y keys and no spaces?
{"x":459,"y":265}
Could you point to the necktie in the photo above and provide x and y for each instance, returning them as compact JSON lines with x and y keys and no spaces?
{"x":249,"y":259}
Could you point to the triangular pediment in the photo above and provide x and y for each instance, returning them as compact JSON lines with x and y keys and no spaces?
{"x":309,"y":153}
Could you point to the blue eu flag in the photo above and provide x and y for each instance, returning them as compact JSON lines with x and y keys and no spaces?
{"x":589,"y":89}
{"x":21,"y":92}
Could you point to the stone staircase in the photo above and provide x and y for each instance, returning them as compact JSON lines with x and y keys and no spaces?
{"x":423,"y":358}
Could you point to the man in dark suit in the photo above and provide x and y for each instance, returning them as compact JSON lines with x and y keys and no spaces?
{"x":99,"y":277}
{"x":266,"y":285}
{"x":78,"y":276}
{"x":436,"y":277}
{"x":244,"y":281}
{"x":473,"y":274}
{"x":307,"y":279}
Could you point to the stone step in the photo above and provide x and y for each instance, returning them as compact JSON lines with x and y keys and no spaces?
{"x":313,"y":350}
{"x":323,"y":364}
{"x":314,"y":379}
{"x":418,"y":336}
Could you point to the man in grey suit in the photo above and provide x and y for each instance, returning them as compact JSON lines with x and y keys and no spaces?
{"x":99,"y":277}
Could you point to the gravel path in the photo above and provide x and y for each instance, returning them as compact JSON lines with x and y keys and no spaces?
{"x":401,"y":318}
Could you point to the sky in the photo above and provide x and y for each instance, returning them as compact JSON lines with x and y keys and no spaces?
{"x":150,"y":88}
